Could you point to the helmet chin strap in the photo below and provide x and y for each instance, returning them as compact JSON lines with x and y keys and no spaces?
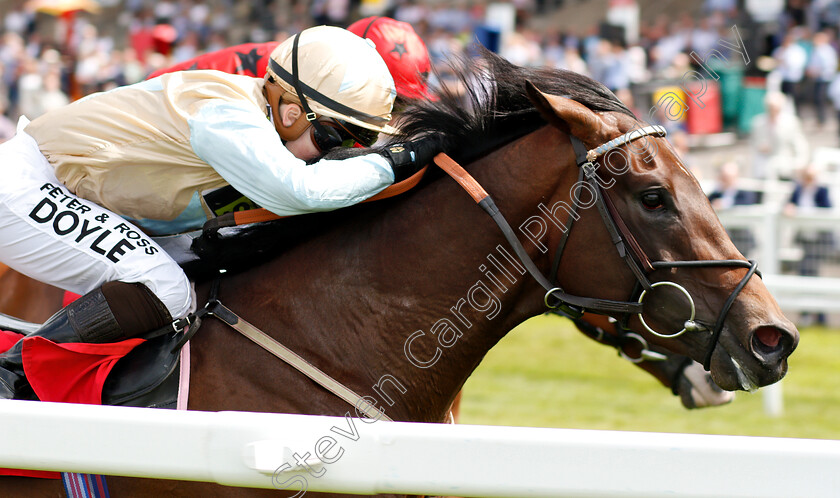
{"x":274,"y":92}
{"x":274,"y":97}
{"x":308,"y":117}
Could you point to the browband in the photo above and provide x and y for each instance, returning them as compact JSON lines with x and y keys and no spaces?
{"x":599,"y":151}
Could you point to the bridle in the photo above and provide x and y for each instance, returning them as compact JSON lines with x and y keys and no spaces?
{"x":625,"y":243}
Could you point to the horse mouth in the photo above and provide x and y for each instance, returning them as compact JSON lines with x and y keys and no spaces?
{"x":745,"y":382}
{"x":762,"y":363}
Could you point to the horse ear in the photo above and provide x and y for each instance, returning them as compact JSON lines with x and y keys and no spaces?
{"x":571,"y":117}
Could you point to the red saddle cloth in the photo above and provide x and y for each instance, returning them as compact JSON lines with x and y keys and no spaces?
{"x":66,"y":373}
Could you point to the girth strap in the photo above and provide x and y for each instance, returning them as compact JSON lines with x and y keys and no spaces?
{"x":268,"y":343}
{"x":214,"y":307}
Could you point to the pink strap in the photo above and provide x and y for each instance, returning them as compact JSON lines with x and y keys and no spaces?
{"x":184,"y":379}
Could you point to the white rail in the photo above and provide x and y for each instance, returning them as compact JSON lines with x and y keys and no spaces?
{"x":816,"y":294}
{"x":247,"y":449}
{"x":774,"y":244}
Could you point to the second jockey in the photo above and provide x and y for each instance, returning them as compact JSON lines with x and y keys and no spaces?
{"x":402,"y":49}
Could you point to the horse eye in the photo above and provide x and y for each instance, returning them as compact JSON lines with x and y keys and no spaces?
{"x":652,"y":200}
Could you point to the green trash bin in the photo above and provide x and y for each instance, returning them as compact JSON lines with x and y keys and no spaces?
{"x":731,"y":77}
{"x":752,"y":101}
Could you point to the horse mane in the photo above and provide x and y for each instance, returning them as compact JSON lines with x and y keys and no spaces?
{"x":492,"y":109}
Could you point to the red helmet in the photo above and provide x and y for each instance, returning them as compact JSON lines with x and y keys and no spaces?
{"x":404,"y":52}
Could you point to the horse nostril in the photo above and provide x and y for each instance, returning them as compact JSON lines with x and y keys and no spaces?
{"x":768,"y":336}
{"x":770,"y":341}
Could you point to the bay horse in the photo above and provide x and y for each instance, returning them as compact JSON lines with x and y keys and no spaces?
{"x":401,"y":301}
{"x":26,"y":298}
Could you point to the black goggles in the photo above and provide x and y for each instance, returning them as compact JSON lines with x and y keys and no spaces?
{"x":330,"y":133}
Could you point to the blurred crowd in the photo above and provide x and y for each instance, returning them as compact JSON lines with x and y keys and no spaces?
{"x":47,"y":61}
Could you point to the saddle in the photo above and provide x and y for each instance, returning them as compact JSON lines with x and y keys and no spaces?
{"x":147,"y":376}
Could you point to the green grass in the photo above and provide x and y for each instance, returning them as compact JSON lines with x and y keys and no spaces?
{"x":546,"y":374}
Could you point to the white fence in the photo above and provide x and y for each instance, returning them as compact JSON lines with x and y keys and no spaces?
{"x":774,"y":240}
{"x":357,"y":456}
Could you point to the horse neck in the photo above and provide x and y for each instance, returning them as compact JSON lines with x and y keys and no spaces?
{"x":433,"y":267}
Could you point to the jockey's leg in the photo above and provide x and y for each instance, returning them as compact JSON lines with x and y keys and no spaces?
{"x":51,"y":235}
{"x":114,"y":312}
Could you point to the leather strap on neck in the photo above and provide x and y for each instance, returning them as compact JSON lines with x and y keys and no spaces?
{"x":578,"y":303}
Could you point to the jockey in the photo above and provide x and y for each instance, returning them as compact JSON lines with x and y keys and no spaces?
{"x":147,"y":151}
{"x":404,"y":53}
{"x":398,"y":44}
{"x":247,"y":59}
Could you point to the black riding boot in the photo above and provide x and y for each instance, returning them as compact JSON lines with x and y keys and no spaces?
{"x":111,"y":313}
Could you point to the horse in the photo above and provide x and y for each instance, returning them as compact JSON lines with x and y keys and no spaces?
{"x":26,"y":298}
{"x":401,"y":300}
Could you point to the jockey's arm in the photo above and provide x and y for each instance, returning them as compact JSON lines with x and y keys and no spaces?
{"x":244,"y":148}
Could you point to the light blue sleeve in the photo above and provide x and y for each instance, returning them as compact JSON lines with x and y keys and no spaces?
{"x":244,"y":148}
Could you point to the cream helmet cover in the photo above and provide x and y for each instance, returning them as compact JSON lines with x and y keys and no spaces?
{"x":342,"y":76}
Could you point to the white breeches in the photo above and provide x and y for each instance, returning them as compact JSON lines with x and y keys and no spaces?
{"x":53,"y":236}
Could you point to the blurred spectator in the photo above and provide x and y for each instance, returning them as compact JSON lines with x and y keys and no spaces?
{"x":610,"y":66}
{"x":809,"y":196}
{"x":828,"y":14}
{"x":522,"y":49}
{"x":728,"y":194}
{"x":704,"y":38}
{"x":833,"y":93}
{"x":19,"y":21}
{"x":720,"y":5}
{"x":822,"y":67}
{"x":777,"y":141}
{"x":589,"y":44}
{"x":29,"y":87}
{"x":553,"y":51}
{"x":669,"y":47}
{"x":791,"y":59}
{"x":146,"y":35}
{"x":635,"y":59}
{"x":573,"y":61}
{"x":187,"y":48}
{"x":52,"y":97}
{"x":678,"y":67}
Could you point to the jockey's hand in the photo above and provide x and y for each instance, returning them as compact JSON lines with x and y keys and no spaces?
{"x":410,"y":157}
{"x":697,"y":389}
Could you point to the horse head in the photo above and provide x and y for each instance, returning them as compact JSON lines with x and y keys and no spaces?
{"x":695,"y":293}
